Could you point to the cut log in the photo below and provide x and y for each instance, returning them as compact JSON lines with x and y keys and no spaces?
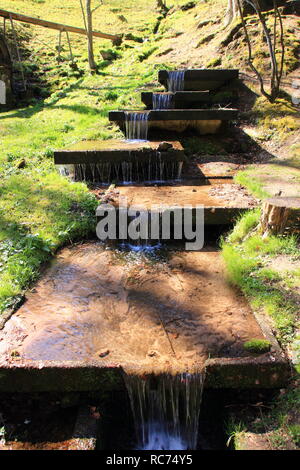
{"x":280,"y":215}
{"x":60,"y":27}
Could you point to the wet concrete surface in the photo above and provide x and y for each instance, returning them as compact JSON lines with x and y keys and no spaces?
{"x":117,"y":150}
{"x":173,"y":310}
{"x":210,"y":193}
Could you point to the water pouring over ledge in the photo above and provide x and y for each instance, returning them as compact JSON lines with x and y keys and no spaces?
{"x":175,"y":80}
{"x":154,"y":170}
{"x":166,"y":410}
{"x":162,"y":100}
{"x":136,"y":125}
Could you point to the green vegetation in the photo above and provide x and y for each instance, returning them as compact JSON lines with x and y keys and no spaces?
{"x":214,"y":62}
{"x":277,"y":428}
{"x":234,"y":430}
{"x":275,"y":121}
{"x":45,"y":213}
{"x":246,"y":258}
{"x":249,"y":261}
{"x":247,"y":179}
{"x":257,"y":346}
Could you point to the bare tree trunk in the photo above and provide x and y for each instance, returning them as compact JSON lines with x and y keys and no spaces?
{"x":161,"y":5}
{"x":92,"y":62}
{"x":232,"y":12}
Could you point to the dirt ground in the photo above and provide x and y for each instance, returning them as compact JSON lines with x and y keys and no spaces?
{"x":93,"y":302}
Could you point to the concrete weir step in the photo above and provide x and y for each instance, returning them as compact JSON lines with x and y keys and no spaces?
{"x":117,"y":151}
{"x":201,"y":79}
{"x":204,"y":121}
{"x":189,"y":99}
{"x":91,"y":318}
{"x":121,"y":161}
{"x":179,"y":99}
{"x":223,"y":200}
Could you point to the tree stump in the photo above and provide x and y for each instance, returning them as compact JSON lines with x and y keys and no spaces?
{"x":280,"y":215}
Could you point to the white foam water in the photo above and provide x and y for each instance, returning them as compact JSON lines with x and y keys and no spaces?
{"x":166,"y":410}
{"x":155,"y":170}
{"x":136,"y":125}
{"x":176,"y":80}
{"x":162,"y":100}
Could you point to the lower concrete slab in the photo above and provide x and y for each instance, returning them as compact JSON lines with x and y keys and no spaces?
{"x":222,"y":199}
{"x":98,"y":313}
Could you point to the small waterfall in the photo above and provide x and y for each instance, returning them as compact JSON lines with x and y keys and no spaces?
{"x":136,"y":125}
{"x":166,"y":410}
{"x":155,"y":169}
{"x":176,"y":80}
{"x":162,"y":100}
{"x":67,"y":170}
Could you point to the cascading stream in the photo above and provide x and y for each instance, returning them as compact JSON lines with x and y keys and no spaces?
{"x":136,"y":128}
{"x":166,"y":410}
{"x":155,"y":170}
{"x":136,"y":125}
{"x":162,"y":100}
{"x":176,"y":80}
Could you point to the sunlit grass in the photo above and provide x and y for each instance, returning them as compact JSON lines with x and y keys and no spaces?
{"x":245,"y":259}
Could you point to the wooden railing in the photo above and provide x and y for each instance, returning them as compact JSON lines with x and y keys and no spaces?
{"x":50,"y":24}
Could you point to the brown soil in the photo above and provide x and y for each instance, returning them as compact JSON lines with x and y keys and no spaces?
{"x":284,"y":263}
{"x":158,"y":315}
{"x":211,"y":169}
{"x":265,"y":441}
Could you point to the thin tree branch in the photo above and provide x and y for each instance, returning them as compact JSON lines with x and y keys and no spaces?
{"x":282,"y":45}
{"x":250,"y":59}
{"x":276,"y":70}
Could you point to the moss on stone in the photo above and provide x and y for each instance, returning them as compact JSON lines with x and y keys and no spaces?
{"x":258,"y":346}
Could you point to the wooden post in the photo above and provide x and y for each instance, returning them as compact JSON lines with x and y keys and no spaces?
{"x":280,"y":215}
{"x":89,"y":21}
{"x":18,"y":52}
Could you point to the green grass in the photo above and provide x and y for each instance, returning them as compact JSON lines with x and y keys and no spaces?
{"x":244,"y":225}
{"x":234,"y":430}
{"x":257,"y":346}
{"x":276,"y":121}
{"x":247,"y":178}
{"x":245,"y":263}
{"x":45,"y":213}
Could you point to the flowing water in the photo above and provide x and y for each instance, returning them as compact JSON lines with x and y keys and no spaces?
{"x":154,"y":170}
{"x":166,"y":410}
{"x":136,"y":125}
{"x":162,"y":100}
{"x":176,"y":80}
